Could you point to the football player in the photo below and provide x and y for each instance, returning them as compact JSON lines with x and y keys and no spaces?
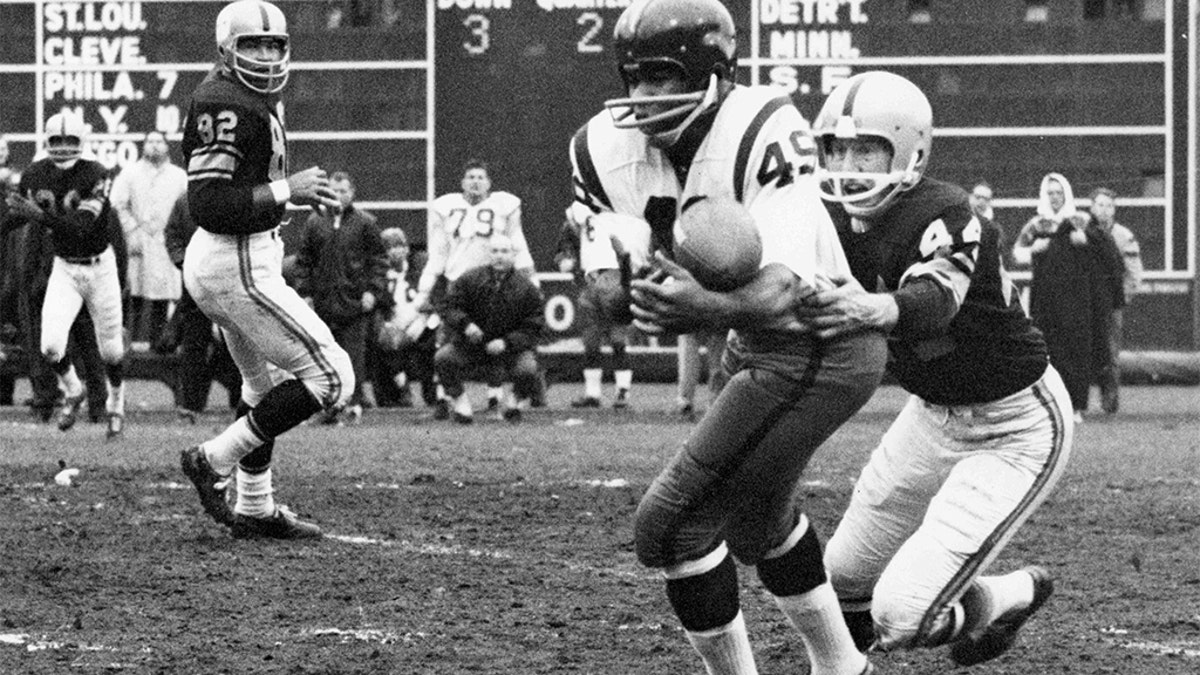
{"x":238,"y":185}
{"x":988,"y":430}
{"x":68,"y":195}
{"x":684,"y":132}
{"x":457,"y":239}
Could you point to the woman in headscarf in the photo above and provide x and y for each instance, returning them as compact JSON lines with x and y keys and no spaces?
{"x":1077,"y":282}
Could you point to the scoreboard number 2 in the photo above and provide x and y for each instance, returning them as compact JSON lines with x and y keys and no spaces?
{"x":593,"y":23}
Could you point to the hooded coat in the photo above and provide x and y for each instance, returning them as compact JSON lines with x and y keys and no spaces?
{"x":1077,"y":282}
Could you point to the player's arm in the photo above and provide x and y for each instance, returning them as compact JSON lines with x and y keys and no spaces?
{"x":523,"y":262}
{"x":75,"y":221}
{"x":930,"y":293}
{"x":437,"y":245}
{"x":219,"y":138}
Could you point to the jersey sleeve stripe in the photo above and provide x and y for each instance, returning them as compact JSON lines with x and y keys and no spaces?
{"x":746,"y":146}
{"x":587,"y":167}
{"x":210,"y":160}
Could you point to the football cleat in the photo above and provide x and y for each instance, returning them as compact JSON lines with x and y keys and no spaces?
{"x":463,"y":419}
{"x":512,"y":415}
{"x":283,"y":524}
{"x":68,"y":415}
{"x":622,"y":399}
{"x":493,"y":404}
{"x":441,"y":410}
{"x":354,"y":413}
{"x":998,"y":636}
{"x":586,"y":402}
{"x":209,"y":484}
{"x":116,"y":426}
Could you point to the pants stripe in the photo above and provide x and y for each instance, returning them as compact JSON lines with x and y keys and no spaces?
{"x":1045,"y":480}
{"x":285,"y":320}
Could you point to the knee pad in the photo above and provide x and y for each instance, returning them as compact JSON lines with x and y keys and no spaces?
{"x":705,"y":597}
{"x":112,"y":350}
{"x":798,"y":568}
{"x":334,"y":385}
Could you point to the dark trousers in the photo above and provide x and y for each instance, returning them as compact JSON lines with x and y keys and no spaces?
{"x":202,"y":359}
{"x":414,"y":360}
{"x":455,"y":363}
{"x":81,"y":349}
{"x":351,"y":334}
{"x":145,"y":318}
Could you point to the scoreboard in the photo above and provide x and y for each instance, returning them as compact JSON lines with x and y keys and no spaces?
{"x":406,"y":95}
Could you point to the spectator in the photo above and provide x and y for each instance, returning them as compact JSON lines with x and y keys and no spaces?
{"x":460,"y":227}
{"x":597,"y":325}
{"x":66,"y":195}
{"x":1076,"y":284}
{"x":8,"y":279}
{"x":341,"y":269}
{"x":1104,"y":212}
{"x":493,"y":320}
{"x":203,"y":355}
{"x":981,"y":201}
{"x":689,"y":363}
{"x":405,"y":344}
{"x":143,"y":195}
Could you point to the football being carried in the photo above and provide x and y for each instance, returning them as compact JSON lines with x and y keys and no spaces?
{"x":716,"y":239}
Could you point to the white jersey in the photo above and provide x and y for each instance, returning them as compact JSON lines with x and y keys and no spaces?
{"x":458,"y":234}
{"x":759,"y":152}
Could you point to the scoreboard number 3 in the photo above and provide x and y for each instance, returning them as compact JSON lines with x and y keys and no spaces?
{"x":480,"y":38}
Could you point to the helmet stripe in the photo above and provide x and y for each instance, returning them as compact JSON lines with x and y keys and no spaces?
{"x":848,"y":104}
{"x":266,"y":18}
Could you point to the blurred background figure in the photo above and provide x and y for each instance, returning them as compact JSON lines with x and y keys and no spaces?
{"x":698,"y":353}
{"x":494,"y":320}
{"x":981,"y":201}
{"x":341,"y":269}
{"x":597,"y":325}
{"x":203,"y":355}
{"x":9,"y":334}
{"x":405,"y":340}
{"x":1104,"y":212}
{"x":1077,"y":282}
{"x":143,"y":195}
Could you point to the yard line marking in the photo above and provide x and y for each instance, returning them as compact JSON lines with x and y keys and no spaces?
{"x":438,"y":549}
{"x":1184,"y":649}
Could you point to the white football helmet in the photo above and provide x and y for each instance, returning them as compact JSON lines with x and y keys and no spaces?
{"x":66,"y":135}
{"x":882,"y":105}
{"x":695,"y":38}
{"x":253,"y":19}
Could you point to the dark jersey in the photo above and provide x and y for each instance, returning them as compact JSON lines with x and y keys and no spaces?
{"x":75,"y":204}
{"x":962,"y":337}
{"x":233,"y":141}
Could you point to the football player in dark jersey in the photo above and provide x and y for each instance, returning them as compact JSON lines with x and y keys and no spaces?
{"x":988,"y":430}
{"x":68,"y":195}
{"x":686,"y":132}
{"x":238,"y":186}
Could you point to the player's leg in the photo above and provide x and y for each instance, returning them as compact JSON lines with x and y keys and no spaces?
{"x":593,"y":363}
{"x":800,"y":410}
{"x":888,"y":502}
{"x":59,"y":309}
{"x":618,"y":340}
{"x":525,"y":376}
{"x":687,"y":374}
{"x":102,"y":295}
{"x":931,"y":592}
{"x":451,"y":363}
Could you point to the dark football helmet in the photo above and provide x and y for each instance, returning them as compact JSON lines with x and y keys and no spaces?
{"x":66,"y":135}
{"x":692,"y":38}
{"x":883,"y":105}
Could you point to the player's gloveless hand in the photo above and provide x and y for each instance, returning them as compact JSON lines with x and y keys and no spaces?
{"x":310,"y":187}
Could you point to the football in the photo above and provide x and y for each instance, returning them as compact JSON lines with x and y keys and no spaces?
{"x":717,"y":241}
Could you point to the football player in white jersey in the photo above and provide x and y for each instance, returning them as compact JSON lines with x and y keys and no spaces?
{"x":460,"y":226}
{"x":461,"y":223}
{"x":685,"y":132}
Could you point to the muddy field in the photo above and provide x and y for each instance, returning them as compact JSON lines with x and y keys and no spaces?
{"x":507,"y":549}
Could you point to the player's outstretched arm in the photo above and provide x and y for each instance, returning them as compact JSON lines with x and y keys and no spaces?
{"x":309,"y":187}
{"x":672,"y":301}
